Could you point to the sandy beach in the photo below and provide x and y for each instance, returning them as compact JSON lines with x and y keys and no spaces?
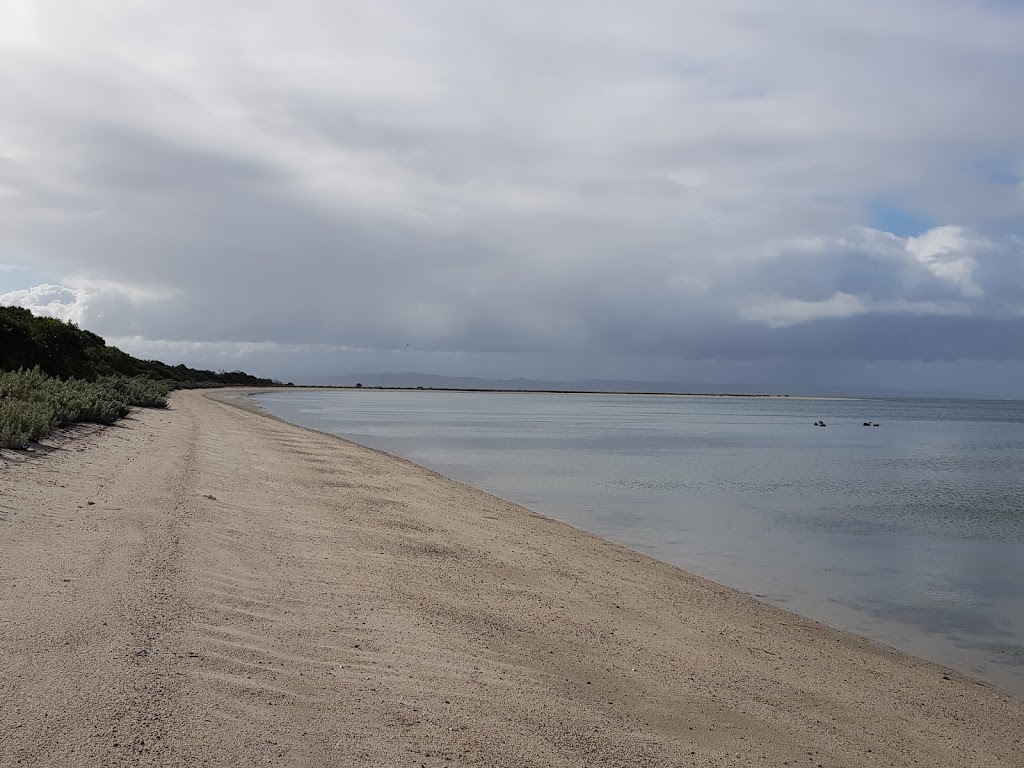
{"x":208,"y":586}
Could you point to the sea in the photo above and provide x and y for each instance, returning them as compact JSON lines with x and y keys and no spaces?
{"x":909,"y":531}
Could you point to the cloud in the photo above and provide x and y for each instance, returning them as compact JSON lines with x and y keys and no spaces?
{"x":88,"y":302}
{"x":572,"y":180}
{"x":944,"y":251}
{"x":780,"y":313}
{"x":49,"y":300}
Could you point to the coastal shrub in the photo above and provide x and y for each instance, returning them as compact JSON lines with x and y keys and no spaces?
{"x":33,"y":403}
{"x":22,"y":421}
{"x":140,"y":391}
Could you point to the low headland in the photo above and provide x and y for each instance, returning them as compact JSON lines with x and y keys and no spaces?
{"x":205,"y":585}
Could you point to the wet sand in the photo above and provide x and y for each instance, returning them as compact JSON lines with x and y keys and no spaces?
{"x":207,"y":586}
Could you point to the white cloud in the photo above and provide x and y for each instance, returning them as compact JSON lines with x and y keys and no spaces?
{"x":945,"y":252}
{"x":781,"y":313}
{"x":89,"y":302}
{"x":135,"y":293}
{"x":50,"y":301}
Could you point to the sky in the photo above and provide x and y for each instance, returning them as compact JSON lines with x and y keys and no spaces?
{"x":766,"y":192}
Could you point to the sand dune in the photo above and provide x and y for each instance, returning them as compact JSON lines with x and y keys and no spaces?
{"x":207,"y":586}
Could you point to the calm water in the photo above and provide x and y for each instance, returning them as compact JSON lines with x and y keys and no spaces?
{"x":911,"y":533}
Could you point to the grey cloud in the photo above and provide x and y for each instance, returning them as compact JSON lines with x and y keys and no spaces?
{"x":129,"y":162}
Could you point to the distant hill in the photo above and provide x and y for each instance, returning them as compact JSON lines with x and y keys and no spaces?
{"x":428,"y":381}
{"x":433,"y":381}
{"x":66,"y":351}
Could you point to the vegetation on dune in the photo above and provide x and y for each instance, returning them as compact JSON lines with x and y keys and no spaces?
{"x":53,"y":374}
{"x":33,"y":404}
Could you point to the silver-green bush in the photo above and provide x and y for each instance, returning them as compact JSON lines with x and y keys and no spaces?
{"x":33,"y":404}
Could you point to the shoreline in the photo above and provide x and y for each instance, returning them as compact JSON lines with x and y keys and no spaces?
{"x":616,"y":393}
{"x":967,"y":654}
{"x":269,"y":594}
